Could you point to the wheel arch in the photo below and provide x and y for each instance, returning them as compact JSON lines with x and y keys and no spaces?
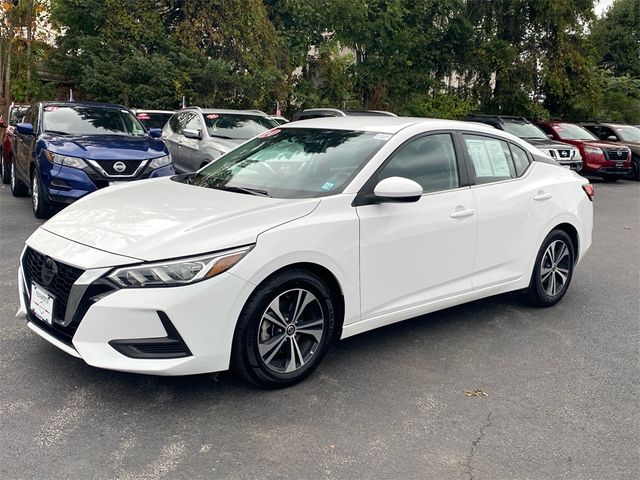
{"x":572,"y":231}
{"x":328,"y":277}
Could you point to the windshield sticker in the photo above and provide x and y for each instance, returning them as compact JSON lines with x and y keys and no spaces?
{"x":212,"y":116}
{"x":382,"y":136}
{"x":51,"y":109}
{"x":269,"y":133}
{"x":328,"y":186}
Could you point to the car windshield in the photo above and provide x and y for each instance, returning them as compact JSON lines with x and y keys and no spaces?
{"x":628,"y":133}
{"x":524,"y":130}
{"x":17,"y":114}
{"x":568,"y":131}
{"x":236,"y":127}
{"x":90,"y":120}
{"x":292,"y":163}
{"x":153,"y":119}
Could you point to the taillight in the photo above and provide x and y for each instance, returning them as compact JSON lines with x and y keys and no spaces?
{"x":589,"y":190}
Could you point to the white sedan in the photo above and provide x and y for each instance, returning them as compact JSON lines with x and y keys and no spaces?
{"x":313,"y":231}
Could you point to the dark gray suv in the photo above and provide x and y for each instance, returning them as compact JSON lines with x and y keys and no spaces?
{"x":197,"y":136}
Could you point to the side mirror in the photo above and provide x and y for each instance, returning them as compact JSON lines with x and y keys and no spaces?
{"x":612,"y":138}
{"x":550,"y":136}
{"x":189,"y":133}
{"x":24,"y":128}
{"x":155,"y":132}
{"x":397,"y":190}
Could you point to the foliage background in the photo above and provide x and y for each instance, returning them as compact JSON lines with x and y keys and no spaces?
{"x":440,"y":58}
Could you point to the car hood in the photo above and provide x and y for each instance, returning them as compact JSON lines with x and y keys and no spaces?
{"x":547,"y":143}
{"x":105,"y":147}
{"x":161,"y":218}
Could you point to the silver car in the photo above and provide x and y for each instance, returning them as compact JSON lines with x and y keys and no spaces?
{"x":196,"y":136}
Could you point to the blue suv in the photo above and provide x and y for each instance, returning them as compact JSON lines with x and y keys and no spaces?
{"x":64,"y":150}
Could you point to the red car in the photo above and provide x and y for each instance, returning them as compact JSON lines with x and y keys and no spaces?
{"x":6,"y":136}
{"x":600,"y":158}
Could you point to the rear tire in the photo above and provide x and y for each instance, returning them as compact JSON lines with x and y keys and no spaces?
{"x":284,"y":330}
{"x":39,"y":202}
{"x":5,"y":172}
{"x":18,"y":189}
{"x":553,"y":270}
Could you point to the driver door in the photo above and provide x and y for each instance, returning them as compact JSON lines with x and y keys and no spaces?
{"x":412,"y":254}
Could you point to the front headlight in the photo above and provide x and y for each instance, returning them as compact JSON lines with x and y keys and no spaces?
{"x":65,"y":160}
{"x":160,"y":162}
{"x":593,"y":150}
{"x":178,"y":272}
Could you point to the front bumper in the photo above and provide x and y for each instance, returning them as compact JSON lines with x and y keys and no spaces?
{"x":116,"y":329}
{"x":65,"y":185}
{"x":619,"y":172}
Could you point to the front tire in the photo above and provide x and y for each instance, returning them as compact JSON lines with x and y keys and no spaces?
{"x":284,"y":330}
{"x":635,"y":168}
{"x":39,"y":202}
{"x":5,"y":171}
{"x":553,"y":270}
{"x":18,"y":189}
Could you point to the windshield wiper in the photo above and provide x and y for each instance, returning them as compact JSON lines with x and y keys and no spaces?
{"x":250,"y":191}
{"x":56,"y":132}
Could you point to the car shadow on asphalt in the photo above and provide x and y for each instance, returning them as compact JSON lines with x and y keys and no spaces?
{"x":348,"y":359}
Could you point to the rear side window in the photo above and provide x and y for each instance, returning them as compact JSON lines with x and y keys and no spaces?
{"x":520,"y":159}
{"x":490,"y":157}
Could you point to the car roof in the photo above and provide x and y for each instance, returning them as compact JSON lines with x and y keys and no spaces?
{"x":383,"y":124}
{"x":145,"y":110}
{"x":83,"y":104}
{"x":255,"y":113}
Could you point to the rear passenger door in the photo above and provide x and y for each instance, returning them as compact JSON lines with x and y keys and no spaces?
{"x":511,"y":208}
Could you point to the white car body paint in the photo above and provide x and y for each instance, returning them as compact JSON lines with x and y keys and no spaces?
{"x":392,"y":261}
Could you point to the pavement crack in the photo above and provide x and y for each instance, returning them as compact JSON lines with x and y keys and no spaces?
{"x":474,"y":445}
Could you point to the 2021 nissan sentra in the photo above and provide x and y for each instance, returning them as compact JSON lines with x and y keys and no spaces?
{"x":312,"y":231}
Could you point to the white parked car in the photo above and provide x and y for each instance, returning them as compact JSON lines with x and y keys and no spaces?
{"x":313,"y":231}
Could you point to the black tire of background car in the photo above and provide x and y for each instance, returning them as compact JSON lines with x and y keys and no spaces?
{"x":246,"y":361}
{"x":535,"y":294}
{"x":635,"y":168}
{"x":6,"y":171}
{"x":18,"y":189}
{"x":43,"y":210}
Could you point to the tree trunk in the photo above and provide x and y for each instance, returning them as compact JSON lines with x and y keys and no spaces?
{"x":29,"y":39}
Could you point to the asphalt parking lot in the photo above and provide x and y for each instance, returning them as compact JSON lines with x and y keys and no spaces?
{"x":562,"y":388}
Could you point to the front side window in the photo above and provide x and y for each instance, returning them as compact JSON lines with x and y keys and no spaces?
{"x":236,"y":127}
{"x":429,"y":160}
{"x":17,"y":114}
{"x":90,"y":120}
{"x":292,"y":163}
{"x":193,"y":123}
{"x":490,"y":157}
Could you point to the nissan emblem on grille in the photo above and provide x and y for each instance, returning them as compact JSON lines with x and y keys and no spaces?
{"x":564,"y":153}
{"x":48,"y":272}
{"x":119,"y":167}
{"x":619,"y":152}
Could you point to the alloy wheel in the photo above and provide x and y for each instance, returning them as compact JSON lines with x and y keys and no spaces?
{"x":290,"y":330}
{"x":554,"y":271}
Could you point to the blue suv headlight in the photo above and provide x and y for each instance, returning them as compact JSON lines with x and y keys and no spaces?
{"x":65,"y":160}
{"x":160,"y":162}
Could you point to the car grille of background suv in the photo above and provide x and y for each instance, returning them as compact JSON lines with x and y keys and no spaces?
{"x":617,"y":154}
{"x":60,"y":286}
{"x":131,"y":166}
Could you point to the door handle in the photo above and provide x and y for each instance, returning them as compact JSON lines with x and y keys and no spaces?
{"x":541,"y":195}
{"x":459,"y":213}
